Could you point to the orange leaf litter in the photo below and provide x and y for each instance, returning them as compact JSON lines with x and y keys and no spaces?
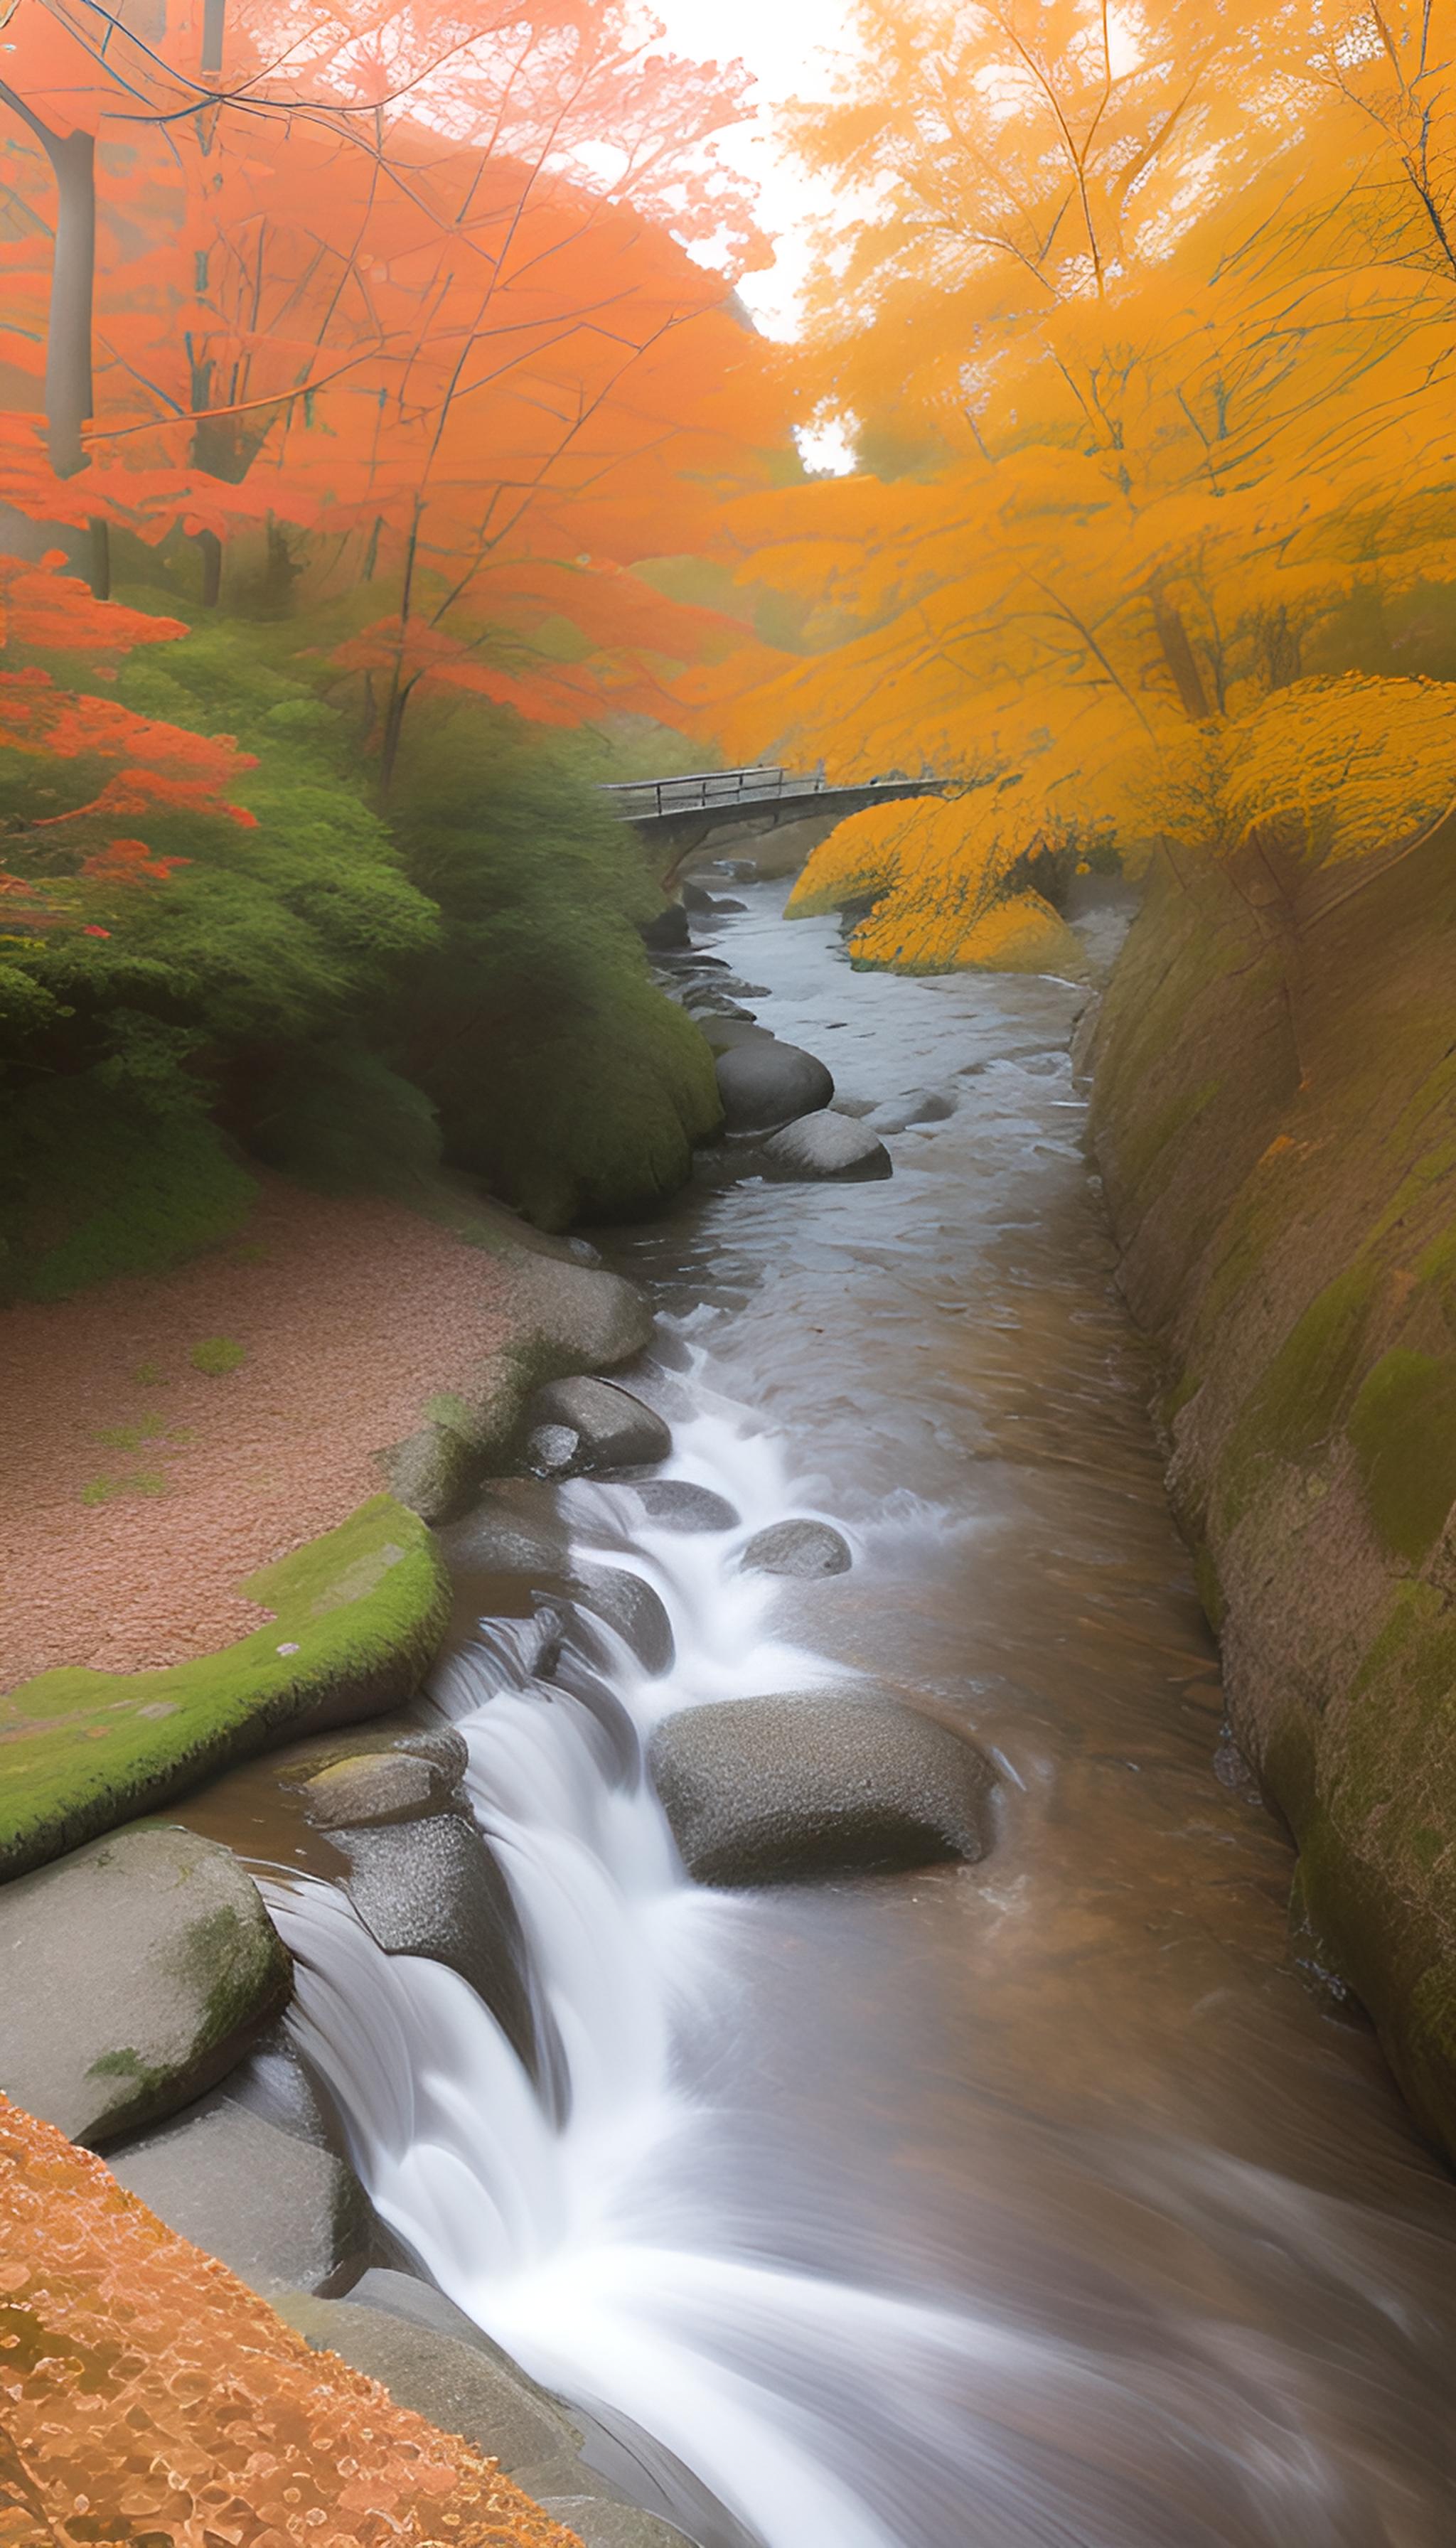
{"x":146,"y":2395}
{"x":352,"y":1312}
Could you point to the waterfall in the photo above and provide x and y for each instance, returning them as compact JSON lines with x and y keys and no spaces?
{"x":583,"y":2232}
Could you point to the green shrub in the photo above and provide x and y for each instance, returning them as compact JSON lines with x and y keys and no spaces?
{"x":561,"y":1073}
{"x":95,"y":1183}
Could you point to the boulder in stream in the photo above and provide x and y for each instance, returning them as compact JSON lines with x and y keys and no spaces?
{"x":454,"y":2377}
{"x":673,"y":1504}
{"x":278,"y":2209}
{"x":620,"y":1597}
{"x":432,"y":1888}
{"x":764,"y":1083}
{"x":600,"y":2525}
{"x":369,"y":1789}
{"x":826,"y":1783}
{"x":614,"y":1429}
{"x":132,"y":1975}
{"x":666,"y":929}
{"x":826,"y":1147}
{"x":803,"y":1548}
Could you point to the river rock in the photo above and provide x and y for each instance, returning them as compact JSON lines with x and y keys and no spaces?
{"x":767,"y":1083}
{"x":375,"y":1787}
{"x":614,"y":1429}
{"x":132,"y":1975}
{"x":630,"y":1606}
{"x":759,"y":1790}
{"x":585,"y":1318}
{"x":927,"y":1106}
{"x":276,"y":2209}
{"x":515,"y":1530}
{"x":666,"y":929}
{"x":724,"y":1034}
{"x":432,"y":1888}
{"x":824,"y":1147}
{"x":672,"y":1503}
{"x":463,"y":2384}
{"x":802,"y":1548}
{"x":551,"y":1449}
{"x":595,"y":2508}
{"x":270,"y":2081}
{"x":600,"y":2524}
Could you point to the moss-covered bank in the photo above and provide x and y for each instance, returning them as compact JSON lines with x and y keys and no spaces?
{"x":1275,"y":1117}
{"x":356,"y":1617}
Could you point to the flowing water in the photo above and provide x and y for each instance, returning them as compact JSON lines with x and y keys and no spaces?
{"x":1030,"y":2205}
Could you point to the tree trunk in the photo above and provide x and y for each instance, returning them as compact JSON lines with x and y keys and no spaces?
{"x":73,"y":288}
{"x":72,"y":159}
{"x":1179,"y":657}
{"x":394,"y":727}
{"x":99,"y":569}
{"x":211,"y":568}
{"x":213,"y":22}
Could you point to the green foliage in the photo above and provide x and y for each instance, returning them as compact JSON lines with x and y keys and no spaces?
{"x":356,"y":1616}
{"x":339,"y":1119}
{"x":334,"y":996}
{"x":95,"y":1184}
{"x":217,"y":1355}
{"x":560,"y":1073}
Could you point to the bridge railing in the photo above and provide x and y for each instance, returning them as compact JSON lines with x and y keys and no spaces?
{"x":707,"y":790}
{"x":718,"y":791}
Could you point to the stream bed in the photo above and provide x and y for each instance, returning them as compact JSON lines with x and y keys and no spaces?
{"x":1034,"y":2204}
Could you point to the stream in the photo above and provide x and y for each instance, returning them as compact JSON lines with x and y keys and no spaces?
{"x":1034,"y":2204}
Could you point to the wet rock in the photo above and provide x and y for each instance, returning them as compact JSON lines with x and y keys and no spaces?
{"x":824,"y":1146}
{"x":441,"y":1745}
{"x":614,"y":1429}
{"x":765,"y":1083}
{"x":276,"y":2209}
{"x":272,"y":2082}
{"x":432,"y":1888}
{"x":927,"y":1106}
{"x":630,"y":1606}
{"x":760,"y":1791}
{"x":696,"y":897}
{"x":515,"y":1530}
{"x":802,"y":1548}
{"x":600,"y":2524}
{"x":132,"y":1975}
{"x":460,"y":2382}
{"x":585,"y":1318}
{"x":672,"y":1505}
{"x":723,"y":1034}
{"x":667,"y":929}
{"x":375,"y":1788}
{"x":551,"y":1449}
{"x":615,"y":2462}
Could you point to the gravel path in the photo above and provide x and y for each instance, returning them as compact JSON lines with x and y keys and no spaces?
{"x":142,"y":1490}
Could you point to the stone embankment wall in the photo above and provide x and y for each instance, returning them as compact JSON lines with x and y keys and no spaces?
{"x":1275,"y":1119}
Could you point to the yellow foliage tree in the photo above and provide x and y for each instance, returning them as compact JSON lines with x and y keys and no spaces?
{"x":1148,"y":340}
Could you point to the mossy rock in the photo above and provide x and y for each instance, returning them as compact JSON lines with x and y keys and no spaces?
{"x":137,"y":1974}
{"x":357,"y":1616}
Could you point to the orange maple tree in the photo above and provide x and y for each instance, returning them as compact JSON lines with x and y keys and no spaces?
{"x":408,"y":295}
{"x":145,"y":767}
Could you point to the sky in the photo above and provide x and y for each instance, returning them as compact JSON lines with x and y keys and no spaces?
{"x":782,"y":42}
